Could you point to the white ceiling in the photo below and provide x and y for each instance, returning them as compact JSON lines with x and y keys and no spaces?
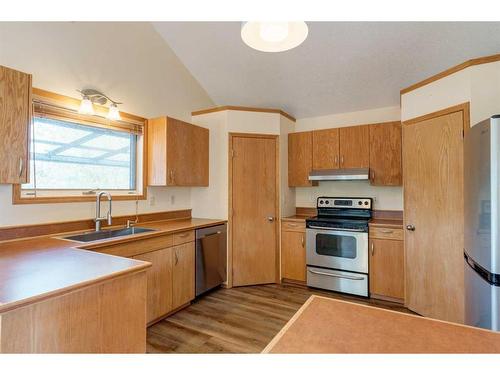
{"x":341,"y":67}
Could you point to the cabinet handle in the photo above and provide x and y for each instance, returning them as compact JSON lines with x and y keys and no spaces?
{"x":172,"y":176}
{"x":373,"y":175}
{"x":21,"y":166}
{"x":183,"y":235}
{"x":342,"y":160}
{"x":386,"y":230}
{"x":336,"y":160}
{"x":176,"y":257}
{"x":303,"y":242}
{"x":373,"y":248}
{"x":291,"y":225}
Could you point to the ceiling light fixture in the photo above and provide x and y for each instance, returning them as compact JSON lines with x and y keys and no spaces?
{"x":86,"y":106}
{"x":274,"y":36}
{"x":91,"y":97}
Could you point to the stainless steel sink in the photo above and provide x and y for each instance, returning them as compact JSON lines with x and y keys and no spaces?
{"x":106,"y":234}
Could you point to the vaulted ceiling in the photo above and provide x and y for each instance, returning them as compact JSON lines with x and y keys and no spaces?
{"x":341,"y":67}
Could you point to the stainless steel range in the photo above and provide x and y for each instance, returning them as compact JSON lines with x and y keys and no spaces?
{"x":337,"y":245}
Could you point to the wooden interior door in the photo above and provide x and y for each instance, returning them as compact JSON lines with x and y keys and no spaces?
{"x":355,"y":146}
{"x":433,"y":206}
{"x":254,"y":207}
{"x":326,"y":149}
{"x":15,"y":120}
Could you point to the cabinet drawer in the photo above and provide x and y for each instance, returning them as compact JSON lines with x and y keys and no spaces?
{"x":294,"y":226}
{"x":183,"y":237}
{"x":387,"y":233}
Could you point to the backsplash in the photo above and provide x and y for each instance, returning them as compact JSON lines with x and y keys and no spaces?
{"x":385,"y":197}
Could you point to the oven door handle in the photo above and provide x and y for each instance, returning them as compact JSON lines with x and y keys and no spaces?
{"x":337,"y":275}
{"x":340,"y":229}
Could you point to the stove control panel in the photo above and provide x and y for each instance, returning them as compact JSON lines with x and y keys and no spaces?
{"x":335,"y":202}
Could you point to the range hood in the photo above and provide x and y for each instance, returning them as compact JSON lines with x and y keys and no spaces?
{"x":347,"y":174}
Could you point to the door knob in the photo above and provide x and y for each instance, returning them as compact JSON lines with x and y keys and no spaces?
{"x":410,"y":227}
{"x":270,"y":218}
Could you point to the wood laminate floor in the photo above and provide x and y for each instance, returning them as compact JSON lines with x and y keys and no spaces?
{"x":237,"y":320}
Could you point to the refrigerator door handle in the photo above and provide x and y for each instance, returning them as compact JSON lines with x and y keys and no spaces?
{"x":491,"y":278}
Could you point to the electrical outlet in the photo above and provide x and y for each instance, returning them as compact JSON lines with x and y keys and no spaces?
{"x":152,"y":200}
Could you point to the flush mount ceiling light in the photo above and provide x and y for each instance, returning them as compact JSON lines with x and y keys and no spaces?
{"x":91,"y":97}
{"x":273,"y":36}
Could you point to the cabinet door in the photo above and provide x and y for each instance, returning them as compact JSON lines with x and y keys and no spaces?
{"x":326,"y":149}
{"x":299,"y":158}
{"x":387,"y":268}
{"x":15,"y":120}
{"x":355,"y":147}
{"x":183,"y":274}
{"x":385,"y":154}
{"x":159,"y":276}
{"x":293,"y":255}
{"x":187,"y":154}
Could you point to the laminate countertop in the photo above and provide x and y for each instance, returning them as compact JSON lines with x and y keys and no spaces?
{"x":325,"y":325}
{"x":38,"y":268}
{"x":386,"y":223}
{"x":296,"y":218}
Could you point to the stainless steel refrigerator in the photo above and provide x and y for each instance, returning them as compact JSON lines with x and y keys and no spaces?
{"x":482,"y":224}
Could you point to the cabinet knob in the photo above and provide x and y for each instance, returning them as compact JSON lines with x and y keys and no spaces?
{"x":373,"y":248}
{"x":270,"y":219}
{"x":410,"y":227}
{"x":303,"y":242}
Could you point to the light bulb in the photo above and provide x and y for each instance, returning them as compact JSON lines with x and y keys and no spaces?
{"x":86,"y":106}
{"x":273,"y":31}
{"x":113,"y":113}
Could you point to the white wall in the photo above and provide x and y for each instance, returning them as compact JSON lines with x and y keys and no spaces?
{"x":340,"y":120}
{"x":385,"y":198}
{"x":129,"y":62}
{"x":479,"y":85}
{"x":212,"y":202}
{"x":288,"y":198}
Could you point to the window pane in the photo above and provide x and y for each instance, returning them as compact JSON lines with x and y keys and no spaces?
{"x":65,"y":155}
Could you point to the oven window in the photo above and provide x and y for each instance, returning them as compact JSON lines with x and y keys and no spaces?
{"x":336,"y":245}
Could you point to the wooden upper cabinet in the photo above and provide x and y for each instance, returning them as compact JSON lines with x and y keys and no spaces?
{"x":15,"y":120}
{"x":300,"y":158}
{"x":355,"y":146}
{"x":326,"y":149}
{"x":385,"y":154}
{"x":178,"y":153}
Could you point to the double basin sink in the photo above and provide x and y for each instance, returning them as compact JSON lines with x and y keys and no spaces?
{"x":106,"y":234}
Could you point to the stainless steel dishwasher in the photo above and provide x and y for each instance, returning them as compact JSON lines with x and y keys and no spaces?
{"x":211,"y":257}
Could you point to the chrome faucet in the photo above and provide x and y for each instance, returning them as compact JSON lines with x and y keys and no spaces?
{"x":98,"y":219}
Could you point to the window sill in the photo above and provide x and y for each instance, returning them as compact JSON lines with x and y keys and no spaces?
{"x":18,"y":199}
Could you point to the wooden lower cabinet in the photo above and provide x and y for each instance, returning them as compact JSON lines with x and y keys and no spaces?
{"x":107,"y":317}
{"x":171,"y":278}
{"x":159,"y":277}
{"x":293,"y":255}
{"x":387,"y":269}
{"x":183,"y":269}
